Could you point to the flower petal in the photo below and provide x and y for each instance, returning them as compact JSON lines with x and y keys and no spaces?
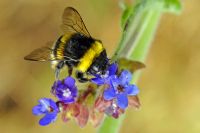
{"x":61,"y":87}
{"x":109,"y":111}
{"x":114,"y":81}
{"x":98,"y":81}
{"x":133,"y":101}
{"x":83,"y":116}
{"x":70,"y":111}
{"x":109,"y":94}
{"x":125,"y":77}
{"x":112,"y":69}
{"x":74,"y":91}
{"x":132,"y":90}
{"x":45,"y":103}
{"x":57,"y":83}
{"x":122,"y":100}
{"x":101,"y":104}
{"x":70,"y":82}
{"x":70,"y":100}
{"x":53,"y":105}
{"x":59,"y":94}
{"x":96,"y":117}
{"x":37,"y":110}
{"x":47,"y":119}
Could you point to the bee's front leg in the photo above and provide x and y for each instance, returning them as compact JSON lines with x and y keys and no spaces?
{"x":80,"y":77}
{"x":70,"y":70}
{"x":59,"y":66}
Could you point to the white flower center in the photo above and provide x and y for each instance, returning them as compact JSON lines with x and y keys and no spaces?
{"x":114,"y":105}
{"x":67,"y":93}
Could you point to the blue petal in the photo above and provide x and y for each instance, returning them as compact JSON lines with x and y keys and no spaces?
{"x":122,"y":100}
{"x":74,"y":91}
{"x":45,"y":103}
{"x":59,"y":94}
{"x":37,"y":110}
{"x":112,"y":69}
{"x":96,"y":75}
{"x":56,"y":83}
{"x":125,"y":77}
{"x":114,"y":81}
{"x":109,"y":94}
{"x":70,"y":82}
{"x":61,"y":87}
{"x":53,"y":105}
{"x":132,"y":90}
{"x":98,"y":81}
{"x":48,"y":118}
{"x":70,"y":100}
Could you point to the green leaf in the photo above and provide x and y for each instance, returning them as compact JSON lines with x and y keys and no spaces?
{"x":128,"y":11}
{"x":130,"y":65}
{"x":173,"y":6}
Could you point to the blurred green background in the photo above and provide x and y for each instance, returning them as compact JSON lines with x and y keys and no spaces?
{"x":169,"y":86}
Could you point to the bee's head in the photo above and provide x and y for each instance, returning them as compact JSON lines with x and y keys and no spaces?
{"x":99,"y":69}
{"x":104,"y":67}
{"x":100,"y":65}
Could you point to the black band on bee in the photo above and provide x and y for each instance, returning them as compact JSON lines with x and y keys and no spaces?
{"x":77,"y":46}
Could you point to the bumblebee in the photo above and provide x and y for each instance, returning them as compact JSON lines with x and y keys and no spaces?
{"x":74,"y":49}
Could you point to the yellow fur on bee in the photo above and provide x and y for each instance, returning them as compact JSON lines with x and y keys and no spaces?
{"x":65,"y":38}
{"x":60,"y":49}
{"x":92,"y":53}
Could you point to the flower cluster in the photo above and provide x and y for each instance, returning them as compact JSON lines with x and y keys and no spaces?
{"x":109,"y":94}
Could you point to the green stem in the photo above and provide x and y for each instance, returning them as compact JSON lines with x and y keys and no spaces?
{"x":141,"y":40}
{"x":146,"y":34}
{"x":136,"y":41}
{"x":111,"y":125}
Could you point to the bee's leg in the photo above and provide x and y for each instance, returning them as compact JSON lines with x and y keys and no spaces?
{"x":80,"y":77}
{"x":58,"y":68}
{"x":70,"y":70}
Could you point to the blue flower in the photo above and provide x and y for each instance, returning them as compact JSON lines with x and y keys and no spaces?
{"x":105,"y":79}
{"x":49,"y":108}
{"x":65,"y":90}
{"x":120,"y":89}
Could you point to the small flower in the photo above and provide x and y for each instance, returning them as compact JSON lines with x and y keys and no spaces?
{"x":69,"y":111}
{"x":114,"y":110}
{"x":110,"y":107}
{"x":96,"y":117}
{"x":120,"y":89}
{"x":77,"y":111}
{"x":49,"y":108}
{"x":65,"y":90}
{"x":101,"y":104}
{"x":104,"y":79}
{"x":83,"y":116}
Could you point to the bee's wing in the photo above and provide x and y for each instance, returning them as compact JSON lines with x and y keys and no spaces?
{"x":73,"y":23}
{"x":132,"y":66}
{"x":41,"y":54}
